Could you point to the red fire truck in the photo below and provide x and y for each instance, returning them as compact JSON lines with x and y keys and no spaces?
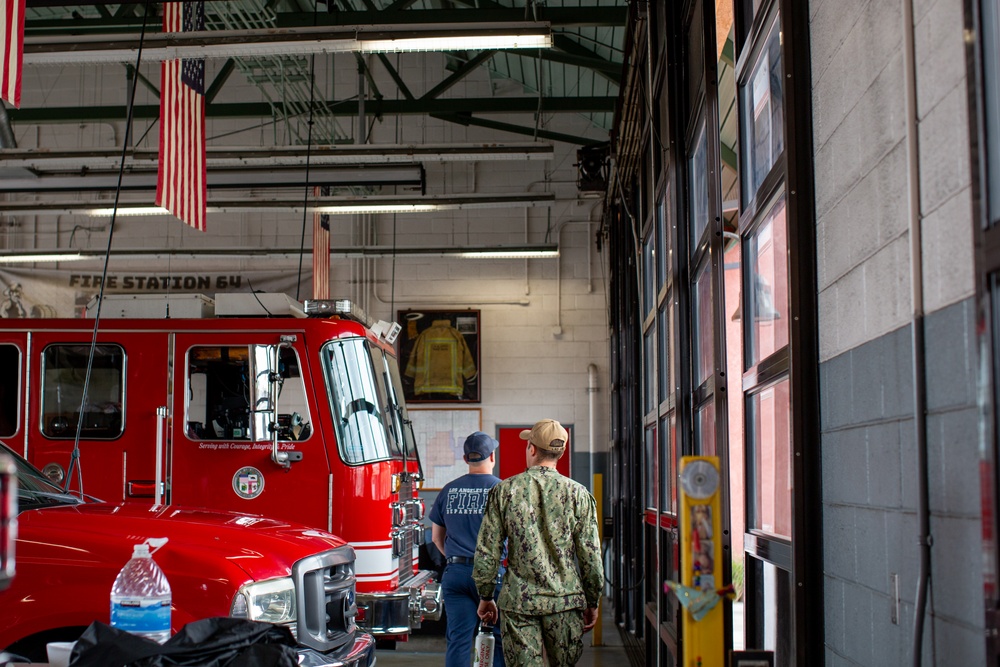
{"x":248,"y":402}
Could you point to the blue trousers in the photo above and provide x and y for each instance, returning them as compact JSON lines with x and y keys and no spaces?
{"x":461,"y":603}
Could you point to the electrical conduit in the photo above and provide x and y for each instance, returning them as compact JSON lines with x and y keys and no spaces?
{"x":924,"y":538}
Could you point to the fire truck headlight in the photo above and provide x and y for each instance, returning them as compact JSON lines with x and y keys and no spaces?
{"x":271,"y":601}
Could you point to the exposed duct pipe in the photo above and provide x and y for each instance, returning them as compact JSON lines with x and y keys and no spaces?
{"x":527,"y":276}
{"x":591,"y":412}
{"x":557,"y":329}
{"x":924,"y":538}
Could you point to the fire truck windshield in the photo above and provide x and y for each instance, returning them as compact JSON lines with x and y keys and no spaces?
{"x":357,"y":406}
{"x":400,"y":427}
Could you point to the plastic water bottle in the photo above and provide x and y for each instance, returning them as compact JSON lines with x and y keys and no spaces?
{"x":485,"y":643}
{"x":140,"y":596}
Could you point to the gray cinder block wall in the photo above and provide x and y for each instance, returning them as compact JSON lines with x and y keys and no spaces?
{"x":865,"y":329}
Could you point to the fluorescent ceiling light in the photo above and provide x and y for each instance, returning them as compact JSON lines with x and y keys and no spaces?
{"x":510,"y":254}
{"x":125,"y":211}
{"x":456,"y":43}
{"x":280,"y":156}
{"x":157,"y":47}
{"x":376,"y":208}
{"x":339,"y":205}
{"x":529,"y":251}
{"x":40,"y":258}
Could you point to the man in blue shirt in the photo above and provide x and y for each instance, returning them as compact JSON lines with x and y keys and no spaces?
{"x":455,"y":519}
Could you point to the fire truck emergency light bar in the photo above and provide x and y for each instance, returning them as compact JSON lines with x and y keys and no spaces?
{"x":342,"y":307}
{"x":346,"y":308}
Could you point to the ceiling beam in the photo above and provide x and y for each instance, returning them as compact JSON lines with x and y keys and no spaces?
{"x":607,"y":68}
{"x":220,"y":80}
{"x":389,"y":107}
{"x":96,"y":159}
{"x":257,"y":177}
{"x":131,"y":72}
{"x":395,"y":76}
{"x":400,"y":4}
{"x":466,"y":119}
{"x":574,"y":48}
{"x":463,"y":71}
{"x":332,"y":205}
{"x":479,"y":4}
{"x":558,"y":17}
{"x":66,"y":3}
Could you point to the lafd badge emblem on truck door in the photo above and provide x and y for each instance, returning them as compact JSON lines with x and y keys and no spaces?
{"x":248,"y":482}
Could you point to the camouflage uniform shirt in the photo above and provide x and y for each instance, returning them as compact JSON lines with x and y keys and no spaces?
{"x":553,"y":548}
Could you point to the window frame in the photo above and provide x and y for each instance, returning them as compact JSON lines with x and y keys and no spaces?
{"x":69,"y":432}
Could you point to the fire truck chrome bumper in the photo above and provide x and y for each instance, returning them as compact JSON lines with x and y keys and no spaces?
{"x":431,"y":602}
{"x":362,"y":654}
{"x":402,"y":610}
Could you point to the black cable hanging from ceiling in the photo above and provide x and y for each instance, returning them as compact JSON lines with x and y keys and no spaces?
{"x":305,"y":198}
{"x":74,"y":461}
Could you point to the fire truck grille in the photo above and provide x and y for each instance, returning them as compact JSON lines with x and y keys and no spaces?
{"x":406,"y":552}
{"x":325,"y":599}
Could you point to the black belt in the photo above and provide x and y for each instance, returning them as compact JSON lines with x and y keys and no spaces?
{"x":459,"y":560}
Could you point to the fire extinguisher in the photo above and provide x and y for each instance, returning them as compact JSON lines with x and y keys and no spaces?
{"x":485,"y":643}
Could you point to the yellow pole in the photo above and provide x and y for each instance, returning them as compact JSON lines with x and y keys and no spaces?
{"x":597,"y":639}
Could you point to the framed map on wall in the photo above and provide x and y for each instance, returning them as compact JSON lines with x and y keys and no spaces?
{"x":440,"y":435}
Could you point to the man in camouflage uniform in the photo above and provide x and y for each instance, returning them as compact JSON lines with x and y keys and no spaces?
{"x":554,"y":569}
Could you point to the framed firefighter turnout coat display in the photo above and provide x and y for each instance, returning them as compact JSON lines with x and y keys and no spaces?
{"x":439,"y":350}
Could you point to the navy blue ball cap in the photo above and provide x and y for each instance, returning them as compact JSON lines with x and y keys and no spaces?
{"x":479,"y":446}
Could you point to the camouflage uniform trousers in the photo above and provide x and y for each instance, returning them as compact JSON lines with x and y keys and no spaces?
{"x":560,"y":634}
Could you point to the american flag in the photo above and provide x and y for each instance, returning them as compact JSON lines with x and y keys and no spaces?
{"x":13,"y":48}
{"x":181,"y":186}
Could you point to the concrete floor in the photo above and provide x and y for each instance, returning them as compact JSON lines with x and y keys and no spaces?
{"x":428,"y":649}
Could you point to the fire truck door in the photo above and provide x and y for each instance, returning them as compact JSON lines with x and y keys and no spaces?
{"x":224,"y":418}
{"x":13,"y":353}
{"x":117,"y":421}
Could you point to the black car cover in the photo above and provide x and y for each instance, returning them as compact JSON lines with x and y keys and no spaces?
{"x":210,"y":642}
